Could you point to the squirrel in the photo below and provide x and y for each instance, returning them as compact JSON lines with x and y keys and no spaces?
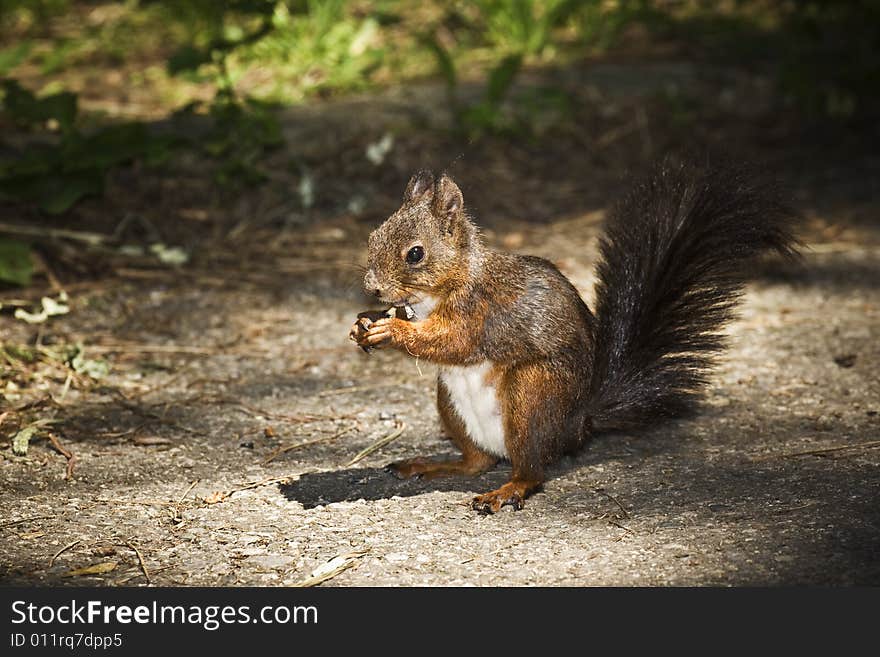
{"x":527,"y":372}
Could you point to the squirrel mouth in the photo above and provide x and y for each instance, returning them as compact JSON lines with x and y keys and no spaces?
{"x":406,"y":305}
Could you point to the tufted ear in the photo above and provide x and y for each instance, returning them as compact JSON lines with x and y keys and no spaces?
{"x":448,"y":202}
{"x":420,"y":184}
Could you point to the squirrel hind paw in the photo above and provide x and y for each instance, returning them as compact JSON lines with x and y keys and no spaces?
{"x":512,"y":494}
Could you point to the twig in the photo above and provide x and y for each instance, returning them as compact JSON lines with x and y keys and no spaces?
{"x":145,"y":502}
{"x":796,"y":508}
{"x":222,"y":496}
{"x":250,"y":410}
{"x":154,"y":348}
{"x":70,"y":456}
{"x":187,"y":491}
{"x":176,"y":508}
{"x":342,"y":391}
{"x":816,"y":452}
{"x":80,"y":236}
{"x":839,"y":247}
{"x":259,"y":412}
{"x":120,"y":434}
{"x":134,"y":408}
{"x":21,"y":520}
{"x":62,"y":551}
{"x":34,"y":403}
{"x":258,"y":484}
{"x":377,"y":445}
{"x":289,"y":448}
{"x":141,"y":561}
{"x":50,"y":275}
{"x":66,"y":387}
{"x":616,"y":133}
{"x":613,"y":499}
{"x":624,"y":528}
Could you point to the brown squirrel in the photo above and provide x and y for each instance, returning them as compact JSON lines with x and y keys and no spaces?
{"x":527,"y":372}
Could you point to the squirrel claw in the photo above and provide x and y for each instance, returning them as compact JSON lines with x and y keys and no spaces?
{"x":487,"y":507}
{"x":511,"y":494}
{"x":400,"y":471}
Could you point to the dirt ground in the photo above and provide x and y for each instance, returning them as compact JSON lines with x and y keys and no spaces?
{"x":181,"y":475}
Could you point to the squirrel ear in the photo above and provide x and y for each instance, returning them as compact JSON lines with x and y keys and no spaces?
{"x":448,"y":201}
{"x":419,"y":185}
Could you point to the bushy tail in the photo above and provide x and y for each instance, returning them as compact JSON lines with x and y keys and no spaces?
{"x":673,"y":264}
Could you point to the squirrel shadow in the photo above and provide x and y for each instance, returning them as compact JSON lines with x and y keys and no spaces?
{"x":319,"y":488}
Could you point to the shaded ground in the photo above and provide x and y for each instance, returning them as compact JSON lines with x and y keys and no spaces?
{"x":244,"y":351}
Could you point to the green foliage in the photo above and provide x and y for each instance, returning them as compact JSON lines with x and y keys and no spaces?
{"x":21,"y":440}
{"x":286,"y":50}
{"x":14,"y":55}
{"x":317,"y":46}
{"x":520,"y":31}
{"x":15,"y":262}
{"x":54,"y":175}
{"x":239,"y":136}
{"x":526,"y":27}
{"x":26,"y":109}
{"x":220,"y":29}
{"x":486,"y":115}
{"x":74,"y":356}
{"x":12,"y":352}
{"x":311,"y":44}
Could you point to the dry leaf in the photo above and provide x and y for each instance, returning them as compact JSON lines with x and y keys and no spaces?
{"x":338,"y":564}
{"x":94,"y":569}
{"x":335,"y":564}
{"x":215,"y":497}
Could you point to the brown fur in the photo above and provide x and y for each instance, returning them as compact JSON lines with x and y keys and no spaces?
{"x":517,"y":312}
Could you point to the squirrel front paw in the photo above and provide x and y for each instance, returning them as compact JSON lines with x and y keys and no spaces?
{"x":385,"y":332}
{"x":358,"y":332}
{"x":361,"y":327}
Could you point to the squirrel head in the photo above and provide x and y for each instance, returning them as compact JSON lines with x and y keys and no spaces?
{"x":423,"y":249}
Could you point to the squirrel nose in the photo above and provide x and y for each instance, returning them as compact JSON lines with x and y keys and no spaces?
{"x":371,"y":284}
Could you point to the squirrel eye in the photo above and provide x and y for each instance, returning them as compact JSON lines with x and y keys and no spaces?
{"x":415,"y":255}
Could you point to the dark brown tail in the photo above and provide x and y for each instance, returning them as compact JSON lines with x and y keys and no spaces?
{"x":673,"y":264}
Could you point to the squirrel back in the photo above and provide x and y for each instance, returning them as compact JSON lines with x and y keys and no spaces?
{"x":672,"y":268}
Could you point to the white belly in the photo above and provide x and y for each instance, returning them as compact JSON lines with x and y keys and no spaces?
{"x":476,"y":403}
